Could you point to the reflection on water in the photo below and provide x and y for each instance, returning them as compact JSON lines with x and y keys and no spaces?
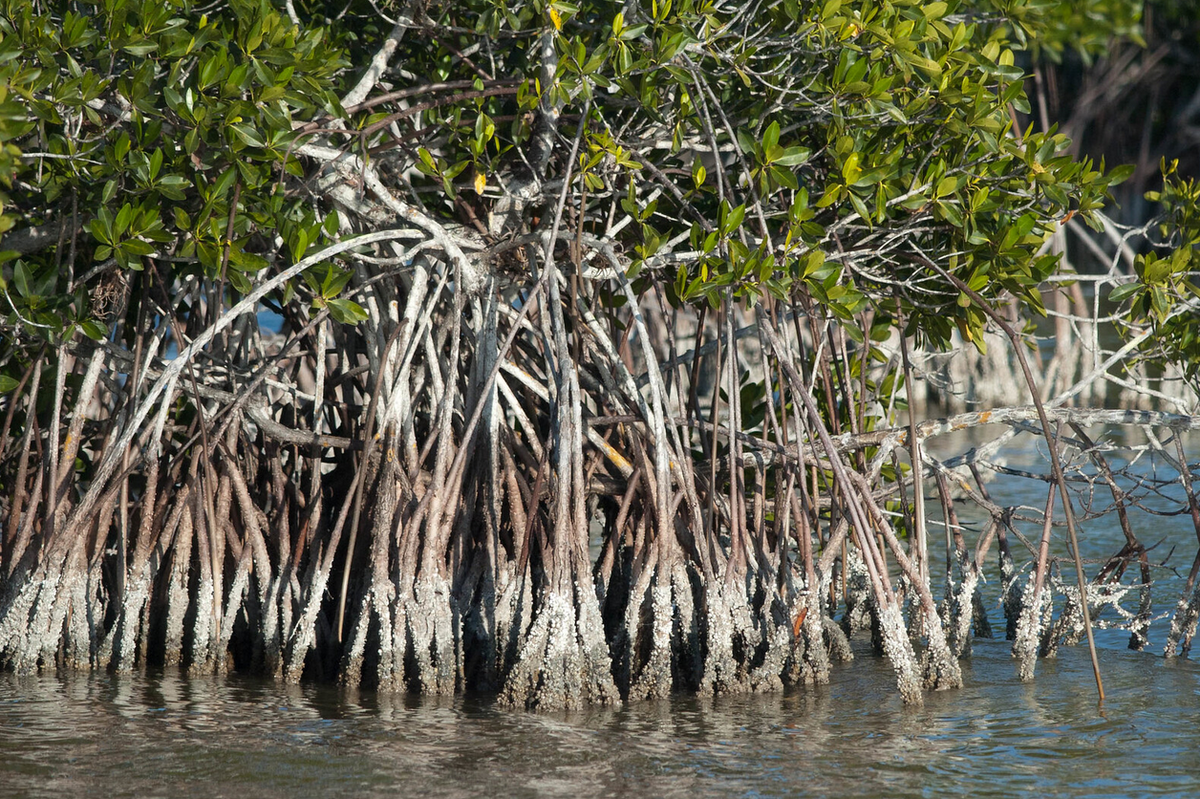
{"x":166,"y":735}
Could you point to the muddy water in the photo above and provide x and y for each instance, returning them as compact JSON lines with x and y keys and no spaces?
{"x":163,"y":734}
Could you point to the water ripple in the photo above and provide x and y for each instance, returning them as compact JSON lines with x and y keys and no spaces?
{"x":160,"y":735}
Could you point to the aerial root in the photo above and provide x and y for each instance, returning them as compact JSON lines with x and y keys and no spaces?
{"x":899,"y":651}
{"x":563,"y":661}
{"x":431,"y":646}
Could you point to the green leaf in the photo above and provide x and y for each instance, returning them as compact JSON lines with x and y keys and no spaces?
{"x":1120,"y":174}
{"x":850,"y":169}
{"x":137,"y":247}
{"x":94,"y":330}
{"x":335,"y":280}
{"x":124,"y":217}
{"x":248,"y":135}
{"x":785,"y":177}
{"x":22,"y":278}
{"x":934,"y":10}
{"x":247,"y":261}
{"x":793,"y":156}
{"x":346,"y":312}
{"x":1123,"y":292}
{"x":140,"y":48}
{"x":771,"y":136}
{"x":223,"y":184}
{"x":734,"y":219}
{"x":239,"y":282}
{"x":331,"y":225}
{"x":426,"y":163}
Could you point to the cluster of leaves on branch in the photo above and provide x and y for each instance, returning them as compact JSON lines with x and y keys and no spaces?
{"x":1083,"y":27}
{"x":1120,"y":77}
{"x":825,"y":150}
{"x":148,"y":129}
{"x":1165,"y":291}
{"x":855,"y":139}
{"x":859,"y":142}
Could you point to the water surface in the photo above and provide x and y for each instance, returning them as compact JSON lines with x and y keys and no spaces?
{"x":169,"y":735}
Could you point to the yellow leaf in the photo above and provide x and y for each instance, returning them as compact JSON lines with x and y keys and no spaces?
{"x":480,"y":182}
{"x":556,"y":18}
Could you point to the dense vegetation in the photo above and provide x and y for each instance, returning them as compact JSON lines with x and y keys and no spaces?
{"x":595,"y":332}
